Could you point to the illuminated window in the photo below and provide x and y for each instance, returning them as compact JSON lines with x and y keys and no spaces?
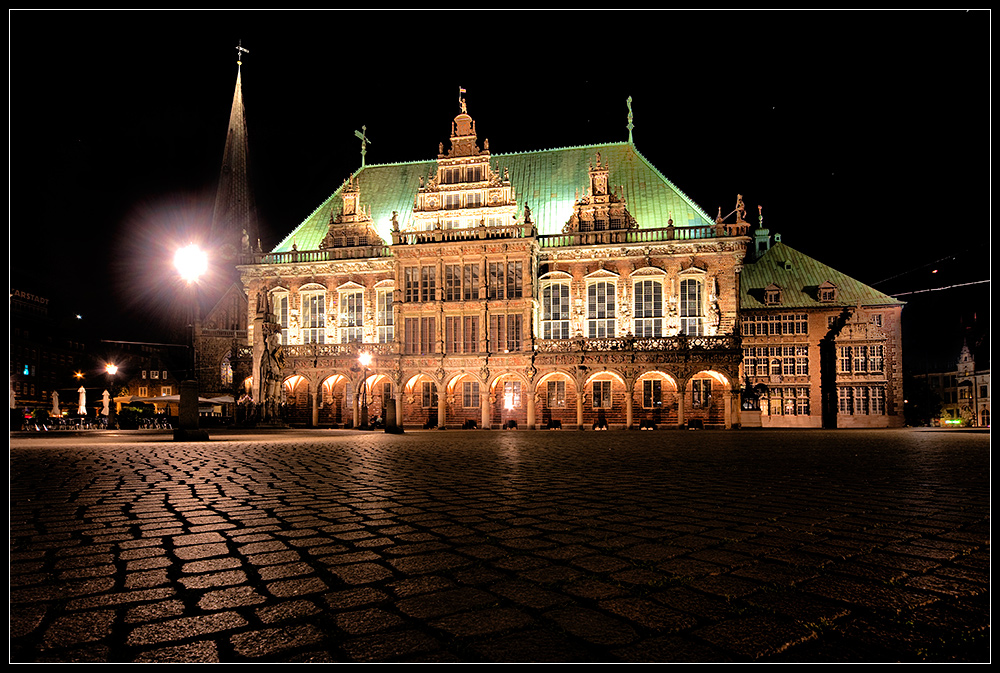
{"x":383,"y":316}
{"x":692,"y":312}
{"x":313,"y":317}
{"x":555,"y":311}
{"x":556,"y":395}
{"x":652,"y":393}
{"x":648,"y":308}
{"x":602,"y":394}
{"x":512,"y":394}
{"x":470,"y":281}
{"x":279,"y":304}
{"x":505,"y":333}
{"x":351,"y":316}
{"x":470,"y":394}
{"x":505,"y":280}
{"x":601,"y":310}
{"x":701,"y":393}
{"x":428,"y":394}
{"x":226,"y":371}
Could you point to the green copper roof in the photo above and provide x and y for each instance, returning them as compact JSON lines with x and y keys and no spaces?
{"x":799,"y":278}
{"x":547,"y":181}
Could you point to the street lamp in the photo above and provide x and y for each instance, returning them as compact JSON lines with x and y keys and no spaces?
{"x":364,"y":359}
{"x":111,"y":369}
{"x":191,"y":263}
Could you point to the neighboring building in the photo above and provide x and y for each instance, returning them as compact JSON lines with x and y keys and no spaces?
{"x":529,"y":289}
{"x":820,"y":348}
{"x":45,"y":356}
{"x":147,"y":372}
{"x":964,"y":392}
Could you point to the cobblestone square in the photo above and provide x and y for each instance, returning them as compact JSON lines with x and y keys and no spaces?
{"x":501,"y":546}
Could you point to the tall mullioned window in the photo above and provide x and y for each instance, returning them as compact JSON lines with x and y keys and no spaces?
{"x":351,"y":316}
{"x":555,"y":311}
{"x":601,"y":310}
{"x":313,"y":317}
{"x":279,"y":304}
{"x":383,"y":316}
{"x":648,"y":313}
{"x":692,"y":312}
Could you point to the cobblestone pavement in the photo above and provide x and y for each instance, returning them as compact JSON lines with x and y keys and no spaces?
{"x":492,"y":546}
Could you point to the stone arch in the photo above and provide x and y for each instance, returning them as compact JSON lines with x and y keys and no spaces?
{"x":654,"y":400}
{"x":556,"y":394}
{"x":421,"y":397}
{"x":296,"y":400}
{"x":708,"y":399}
{"x":336,"y":395}
{"x":604,"y":396}
{"x":508,"y":401}
{"x":465,"y":393}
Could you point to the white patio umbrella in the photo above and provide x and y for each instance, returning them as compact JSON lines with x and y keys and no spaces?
{"x":56,"y":411}
{"x":106,"y":398}
{"x":82,"y":408}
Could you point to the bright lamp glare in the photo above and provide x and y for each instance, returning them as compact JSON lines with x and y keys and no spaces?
{"x":191,"y":262}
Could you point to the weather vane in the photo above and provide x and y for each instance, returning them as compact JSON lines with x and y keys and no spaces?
{"x":364,"y":143}
{"x":629,"y":126}
{"x":461,"y":101}
{"x":239,"y":51}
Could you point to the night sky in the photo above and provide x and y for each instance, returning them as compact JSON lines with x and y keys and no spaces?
{"x":865,"y":136}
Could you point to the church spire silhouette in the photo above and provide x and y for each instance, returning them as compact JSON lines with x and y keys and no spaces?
{"x":235,"y":211}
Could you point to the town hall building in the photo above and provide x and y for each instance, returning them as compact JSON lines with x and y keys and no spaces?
{"x":572,"y":288}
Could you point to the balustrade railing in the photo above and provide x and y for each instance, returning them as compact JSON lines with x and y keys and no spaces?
{"x":352,"y":349}
{"x":323,"y":255}
{"x":463,"y":234}
{"x":618,"y":236}
{"x":629,"y":343}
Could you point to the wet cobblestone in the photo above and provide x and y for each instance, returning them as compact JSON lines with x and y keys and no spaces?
{"x":485,"y":546}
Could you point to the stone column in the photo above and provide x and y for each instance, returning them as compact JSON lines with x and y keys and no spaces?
{"x":484,"y":402}
{"x":579,"y":410}
{"x":315,"y":391}
{"x":531,"y":410}
{"x":628,"y":408}
{"x":442,"y":408}
{"x":680,"y":404}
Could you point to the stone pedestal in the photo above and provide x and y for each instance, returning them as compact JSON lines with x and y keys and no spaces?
{"x":187,"y":414}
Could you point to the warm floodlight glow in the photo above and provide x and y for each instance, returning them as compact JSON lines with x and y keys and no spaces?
{"x":111,"y":368}
{"x":365,"y":359}
{"x":191,"y":262}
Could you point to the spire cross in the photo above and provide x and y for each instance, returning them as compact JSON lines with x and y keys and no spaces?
{"x":240,"y":50}
{"x":364,"y":143}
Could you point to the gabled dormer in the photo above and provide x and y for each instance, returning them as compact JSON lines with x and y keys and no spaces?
{"x":600,"y":209}
{"x":826,"y":292}
{"x":353,"y":227}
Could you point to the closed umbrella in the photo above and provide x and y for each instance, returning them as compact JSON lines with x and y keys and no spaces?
{"x":56,"y":411}
{"x":82,"y":408}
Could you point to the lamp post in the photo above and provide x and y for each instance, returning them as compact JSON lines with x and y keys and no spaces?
{"x":191,"y":262}
{"x":364,"y":359}
{"x":111,"y":369}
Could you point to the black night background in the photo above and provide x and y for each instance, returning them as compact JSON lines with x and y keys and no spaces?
{"x":864,"y":136}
